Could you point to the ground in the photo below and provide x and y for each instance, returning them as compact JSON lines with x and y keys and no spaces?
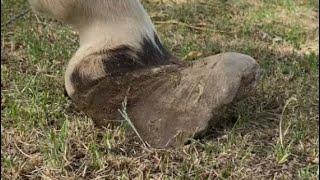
{"x":272,"y":134}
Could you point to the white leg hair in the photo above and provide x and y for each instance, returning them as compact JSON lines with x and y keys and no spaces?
{"x":104,"y":25}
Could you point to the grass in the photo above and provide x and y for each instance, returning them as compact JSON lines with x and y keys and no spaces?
{"x":44,"y":137}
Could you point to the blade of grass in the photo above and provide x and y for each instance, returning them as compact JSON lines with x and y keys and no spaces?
{"x":124,"y":114}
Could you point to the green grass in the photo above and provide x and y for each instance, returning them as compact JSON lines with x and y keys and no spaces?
{"x":44,"y":136}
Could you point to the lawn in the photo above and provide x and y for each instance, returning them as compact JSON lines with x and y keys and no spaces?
{"x":272,"y":134}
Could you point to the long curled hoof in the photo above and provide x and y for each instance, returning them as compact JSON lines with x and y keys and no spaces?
{"x":170,"y":104}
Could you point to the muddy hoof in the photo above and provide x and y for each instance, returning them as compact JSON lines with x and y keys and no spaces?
{"x":187,"y":103}
{"x":170,"y":104}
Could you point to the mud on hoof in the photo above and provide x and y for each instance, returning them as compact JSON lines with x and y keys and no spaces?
{"x":170,"y":104}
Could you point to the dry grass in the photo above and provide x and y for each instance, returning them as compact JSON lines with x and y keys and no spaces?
{"x":44,"y":137}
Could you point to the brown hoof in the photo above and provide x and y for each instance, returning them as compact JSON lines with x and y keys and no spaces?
{"x":186,"y":105}
{"x":170,"y":104}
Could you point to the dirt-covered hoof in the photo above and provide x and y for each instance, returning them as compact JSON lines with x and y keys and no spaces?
{"x":170,"y":104}
{"x":189,"y":101}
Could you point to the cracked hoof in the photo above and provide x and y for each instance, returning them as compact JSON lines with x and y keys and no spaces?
{"x":182,"y":108}
{"x":170,"y":104}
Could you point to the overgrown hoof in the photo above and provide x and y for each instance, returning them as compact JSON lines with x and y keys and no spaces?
{"x":188,"y":104}
{"x":170,"y":104}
